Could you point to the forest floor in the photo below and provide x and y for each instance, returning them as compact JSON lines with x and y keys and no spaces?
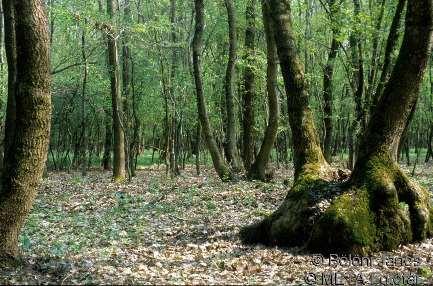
{"x":88,"y":230}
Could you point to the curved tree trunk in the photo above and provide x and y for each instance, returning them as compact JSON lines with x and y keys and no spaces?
{"x":231,"y":150}
{"x":258,"y":168}
{"x":25,"y":161}
{"x":220,"y":166}
{"x":379,"y":207}
{"x":308,"y":155}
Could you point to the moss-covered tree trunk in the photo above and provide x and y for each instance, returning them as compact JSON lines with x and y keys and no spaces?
{"x":25,"y":160}
{"x":220,"y":166}
{"x":258,"y":168}
{"x":307,"y":152}
{"x":249,"y":86}
{"x":378,"y":207}
{"x":328,"y":76}
{"x":231,"y":150}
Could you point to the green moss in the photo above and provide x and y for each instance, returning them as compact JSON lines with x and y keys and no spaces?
{"x":353,"y":210}
{"x":379,"y":171}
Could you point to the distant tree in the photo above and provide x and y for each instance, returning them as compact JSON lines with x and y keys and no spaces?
{"x":119,"y":163}
{"x":249,"y":88}
{"x":258,"y":168}
{"x":230,"y":147}
{"x":220,"y":165}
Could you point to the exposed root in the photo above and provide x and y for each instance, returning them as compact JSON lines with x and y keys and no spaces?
{"x":378,"y":211}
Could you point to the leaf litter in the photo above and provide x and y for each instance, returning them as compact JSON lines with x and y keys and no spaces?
{"x":156,"y":230}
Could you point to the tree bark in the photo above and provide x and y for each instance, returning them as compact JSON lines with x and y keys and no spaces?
{"x":327,"y":87}
{"x":358,"y":124}
{"x":258,"y":168}
{"x":249,"y":86}
{"x":231,"y":151}
{"x":11,"y":57}
{"x":307,"y":152}
{"x":389,"y":49}
{"x":378,"y":207}
{"x":108,"y":143}
{"x":220,"y":166}
{"x":24,"y":163}
{"x":119,"y":171}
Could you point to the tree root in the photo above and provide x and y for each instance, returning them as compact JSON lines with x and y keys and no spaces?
{"x":378,"y":210}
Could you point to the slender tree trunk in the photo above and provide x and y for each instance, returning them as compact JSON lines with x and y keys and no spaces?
{"x":258,"y":168}
{"x":372,"y":74}
{"x":24,"y":163}
{"x":327,"y":87}
{"x":358,"y":124}
{"x":173,"y":142}
{"x":83,"y":163}
{"x":231,"y":151}
{"x":220,"y":166}
{"x":119,"y":171}
{"x":389,"y":49}
{"x":249,"y":86}
{"x":126,"y":91}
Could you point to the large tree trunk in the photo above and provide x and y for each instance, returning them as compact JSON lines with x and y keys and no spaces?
{"x":308,"y":155}
{"x":231,"y":150}
{"x":379,"y":207}
{"x":220,"y":166}
{"x":258,"y":168}
{"x":249,"y":86}
{"x":24,"y":163}
{"x":119,"y":170}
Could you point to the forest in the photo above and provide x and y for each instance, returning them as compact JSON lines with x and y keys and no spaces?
{"x":216,"y":142}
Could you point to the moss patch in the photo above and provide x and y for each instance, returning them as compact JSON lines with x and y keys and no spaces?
{"x":347,"y":225}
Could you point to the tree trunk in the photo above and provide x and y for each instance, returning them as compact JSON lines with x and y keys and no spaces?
{"x":249,"y":86}
{"x":11,"y":57}
{"x":327,"y":87}
{"x":358,"y":124}
{"x":173,"y":137}
{"x":389,"y":49}
{"x":378,"y":207}
{"x":258,"y":168}
{"x":119,"y":171}
{"x":375,"y":54}
{"x":220,"y":166}
{"x":24,"y":163}
{"x":83,"y":145}
{"x":231,"y":151}
{"x":307,"y":151}
{"x":429,"y":145}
